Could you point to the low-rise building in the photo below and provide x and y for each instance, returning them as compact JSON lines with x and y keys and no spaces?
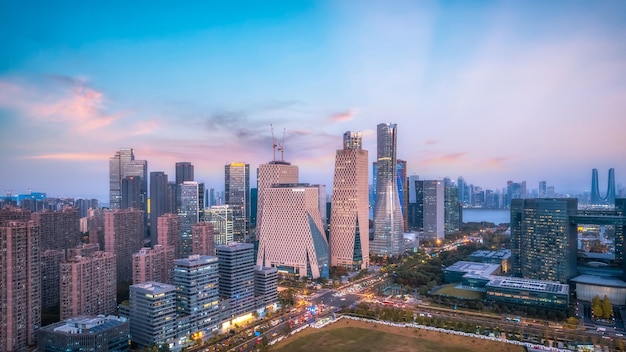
{"x":85,"y":333}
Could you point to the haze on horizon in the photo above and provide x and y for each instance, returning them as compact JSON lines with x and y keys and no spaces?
{"x":491,"y":91}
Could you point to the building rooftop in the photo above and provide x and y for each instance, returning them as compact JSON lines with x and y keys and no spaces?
{"x":528,"y":284}
{"x":501,"y":254}
{"x":155,"y":287}
{"x":233,"y":246}
{"x":599,"y":281}
{"x":476,"y":269}
{"x":86,"y":324}
{"x":196,"y":260}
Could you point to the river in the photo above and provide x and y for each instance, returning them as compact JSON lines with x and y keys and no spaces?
{"x":496,"y":216}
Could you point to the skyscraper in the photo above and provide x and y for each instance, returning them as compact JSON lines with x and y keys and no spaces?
{"x":202,"y":239}
{"x":388,"y":223}
{"x":452,"y":209}
{"x":349,"y":220}
{"x":291,"y":234}
{"x":609,"y":197}
{"x":169,"y":232}
{"x":434,"y":208}
{"x":403,"y":189}
{"x":197,"y":303}
{"x":543,"y":238}
{"x":184,"y":172}
{"x":237,"y":194}
{"x":221,"y":217}
{"x":20,"y":285}
{"x":236,"y":283}
{"x":123,"y":236}
{"x":152,"y":264}
{"x":88,"y":285}
{"x":271,"y":173}
{"x":188,"y":212}
{"x":122,"y":165}
{"x":159,"y":202}
{"x":543,"y":189}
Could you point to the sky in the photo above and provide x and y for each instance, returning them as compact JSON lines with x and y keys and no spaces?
{"x":488,"y":90}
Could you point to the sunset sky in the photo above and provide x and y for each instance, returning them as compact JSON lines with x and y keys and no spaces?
{"x":491,"y":91}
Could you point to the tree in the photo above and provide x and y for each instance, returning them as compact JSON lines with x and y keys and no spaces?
{"x":596,"y":307}
{"x":607,"y":308}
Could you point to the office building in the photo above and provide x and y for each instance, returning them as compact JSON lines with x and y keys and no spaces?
{"x":20,"y":285}
{"x":169,"y":232}
{"x":403,"y":189}
{"x":349,"y":219}
{"x":236,"y":277}
{"x":59,"y":229}
{"x":452,"y":210}
{"x":528,"y":292}
{"x":543,"y":189}
{"x":188,"y":212}
{"x":237,"y":195}
{"x":84,"y":205}
{"x":121,"y":166}
{"x":85,"y":333}
{"x":184,"y":172}
{"x":88,"y":285}
{"x":197,"y":296}
{"x":543,"y":238}
{"x":153,"y":264}
{"x":291,"y":233}
{"x":123,"y":236}
{"x":388,"y":222}
{"x":274,"y":172}
{"x":153,"y":314}
{"x":265,"y":286}
{"x":434,"y":208}
{"x":202,"y":239}
{"x":131,"y":193}
{"x":159,"y":202}
{"x":221,"y":217}
{"x":50,"y":276}
{"x":609,"y":196}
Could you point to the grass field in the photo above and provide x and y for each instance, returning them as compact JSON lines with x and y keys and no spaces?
{"x":451,"y":290}
{"x":350,"y":335}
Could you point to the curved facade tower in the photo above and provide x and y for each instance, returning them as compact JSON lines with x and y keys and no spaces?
{"x":388,"y":223}
{"x":609,"y":198}
{"x":349,"y":230}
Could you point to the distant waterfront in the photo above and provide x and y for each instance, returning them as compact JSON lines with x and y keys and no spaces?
{"x":495,"y":216}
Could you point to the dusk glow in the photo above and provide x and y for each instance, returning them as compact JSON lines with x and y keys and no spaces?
{"x":491,"y":91}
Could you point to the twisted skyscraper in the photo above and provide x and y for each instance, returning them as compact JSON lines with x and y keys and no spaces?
{"x":388,"y":223}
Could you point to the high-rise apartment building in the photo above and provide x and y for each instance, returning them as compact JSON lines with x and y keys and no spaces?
{"x":153,"y":264}
{"x":169,"y":232}
{"x":159,"y":202}
{"x":20,"y":285}
{"x":349,"y":219}
{"x":59,"y":229}
{"x":202,"y":239}
{"x":236,"y":277}
{"x":123,"y":236}
{"x":153,"y":314}
{"x":221,"y":217}
{"x":543,"y":238}
{"x":237,"y":194}
{"x":388,"y":222}
{"x":291,"y":233}
{"x":122,"y":165}
{"x":88,"y":285}
{"x":50,"y":276}
{"x":197,"y":295}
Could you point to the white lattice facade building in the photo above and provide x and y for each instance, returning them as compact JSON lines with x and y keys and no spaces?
{"x":349,"y":218}
{"x":291,"y":235}
{"x":274,"y":172}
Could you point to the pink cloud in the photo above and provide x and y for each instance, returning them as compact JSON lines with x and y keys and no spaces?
{"x":68,"y":101}
{"x":343,"y":116}
{"x":497,"y":163}
{"x":445,"y":159}
{"x":73,"y":156}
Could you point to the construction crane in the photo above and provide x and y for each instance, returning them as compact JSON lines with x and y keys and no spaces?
{"x":281,"y":147}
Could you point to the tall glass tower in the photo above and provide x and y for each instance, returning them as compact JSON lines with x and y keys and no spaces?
{"x":122,"y":165}
{"x":388,"y":223}
{"x":237,"y":195}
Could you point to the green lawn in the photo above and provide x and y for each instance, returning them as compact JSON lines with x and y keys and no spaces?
{"x":347,"y":339}
{"x":451,"y":290}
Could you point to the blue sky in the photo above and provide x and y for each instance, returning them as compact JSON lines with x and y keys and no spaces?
{"x":492,"y":91}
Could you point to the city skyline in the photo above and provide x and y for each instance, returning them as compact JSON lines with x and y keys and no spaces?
{"x":490,"y":91}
